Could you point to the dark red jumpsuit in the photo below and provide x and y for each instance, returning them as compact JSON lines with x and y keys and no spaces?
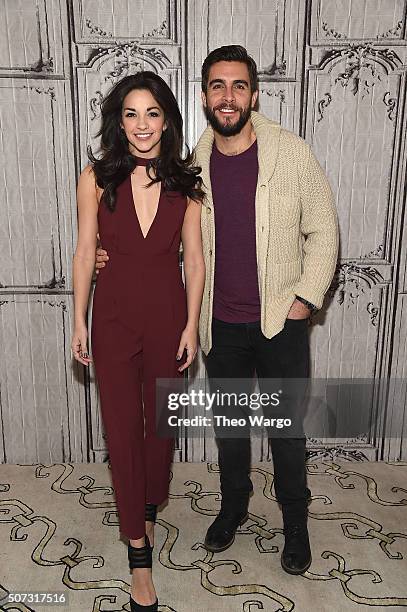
{"x":139,"y":313}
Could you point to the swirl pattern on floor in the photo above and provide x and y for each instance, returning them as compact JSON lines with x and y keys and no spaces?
{"x":59,"y":532}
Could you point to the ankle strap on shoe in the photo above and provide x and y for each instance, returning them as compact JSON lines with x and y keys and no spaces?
{"x":151,"y":512}
{"x":140,"y":557}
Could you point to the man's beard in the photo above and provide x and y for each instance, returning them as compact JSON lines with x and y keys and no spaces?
{"x":227,"y":129}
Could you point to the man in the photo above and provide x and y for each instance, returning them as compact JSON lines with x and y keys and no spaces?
{"x":268,"y":265}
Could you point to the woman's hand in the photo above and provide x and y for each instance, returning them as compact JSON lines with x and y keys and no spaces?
{"x":188,"y":342}
{"x":79,"y":344}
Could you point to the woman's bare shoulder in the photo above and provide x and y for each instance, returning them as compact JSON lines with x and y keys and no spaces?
{"x":88,"y":182}
{"x":87,"y":175}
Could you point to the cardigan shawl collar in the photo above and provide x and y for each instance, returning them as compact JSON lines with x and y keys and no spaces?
{"x":268,"y":136}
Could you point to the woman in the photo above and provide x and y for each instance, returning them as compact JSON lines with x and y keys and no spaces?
{"x":144,"y":199}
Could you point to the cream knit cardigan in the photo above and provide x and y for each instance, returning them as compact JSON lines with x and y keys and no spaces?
{"x":296,"y":226}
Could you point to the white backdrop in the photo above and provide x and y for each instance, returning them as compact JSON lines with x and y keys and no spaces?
{"x":333,"y":71}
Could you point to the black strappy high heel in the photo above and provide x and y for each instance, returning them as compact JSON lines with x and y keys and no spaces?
{"x":151,"y":514}
{"x":138,"y":558}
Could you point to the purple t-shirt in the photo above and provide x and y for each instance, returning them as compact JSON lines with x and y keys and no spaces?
{"x":234,"y":181}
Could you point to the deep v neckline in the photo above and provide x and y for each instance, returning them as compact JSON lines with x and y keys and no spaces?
{"x":135,"y":210}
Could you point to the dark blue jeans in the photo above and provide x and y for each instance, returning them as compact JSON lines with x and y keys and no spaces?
{"x":239,"y":350}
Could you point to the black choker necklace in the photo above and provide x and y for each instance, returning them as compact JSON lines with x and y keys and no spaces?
{"x":143,"y":161}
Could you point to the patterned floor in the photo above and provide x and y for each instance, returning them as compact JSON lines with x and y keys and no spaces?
{"x":58,"y":530}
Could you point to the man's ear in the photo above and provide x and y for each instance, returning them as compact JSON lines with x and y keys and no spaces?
{"x":203,"y":98}
{"x":255,"y":95}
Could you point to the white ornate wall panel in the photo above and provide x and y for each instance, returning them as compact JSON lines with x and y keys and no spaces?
{"x":395,"y":441}
{"x":332,"y":71}
{"x":354,"y":121}
{"x":143,"y":20}
{"x":43,"y":416}
{"x":35,"y":217}
{"x":349,"y":21}
{"x":31,"y":35}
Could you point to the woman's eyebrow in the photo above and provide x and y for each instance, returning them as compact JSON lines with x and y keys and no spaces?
{"x":149,"y":109}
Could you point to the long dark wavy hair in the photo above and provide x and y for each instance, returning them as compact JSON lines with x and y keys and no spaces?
{"x":116,"y":162}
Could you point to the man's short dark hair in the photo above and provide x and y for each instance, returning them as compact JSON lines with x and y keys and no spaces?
{"x":230,"y":53}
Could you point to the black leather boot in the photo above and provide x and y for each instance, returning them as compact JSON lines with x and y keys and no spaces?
{"x":296,"y":556}
{"x":221,"y":534}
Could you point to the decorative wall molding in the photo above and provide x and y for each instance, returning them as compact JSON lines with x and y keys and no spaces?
{"x":362,"y":56}
{"x":392,"y":32}
{"x":375,"y":253}
{"x":44,"y":62}
{"x":391,"y":104}
{"x":332,"y":33}
{"x":49,"y":91}
{"x":322,"y":104}
{"x":161,"y":31}
{"x":351,"y":280}
{"x":91,"y":26}
{"x":125,"y":53}
{"x":48,"y":249}
{"x":281,"y":94}
{"x":373,"y":311}
{"x":95,"y":103}
{"x":365,"y":67}
{"x":61,"y":304}
{"x":273,"y":72}
{"x":361,"y":24}
{"x":336,"y":453}
{"x":95,"y":29}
